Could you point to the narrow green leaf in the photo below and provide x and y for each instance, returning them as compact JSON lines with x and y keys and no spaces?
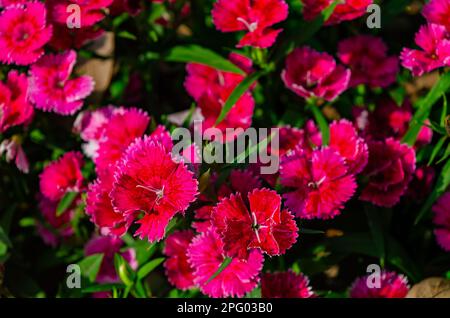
{"x":436,"y":149}
{"x":323,"y":124}
{"x":376,"y":230}
{"x":444,"y":112}
{"x":262,"y":145}
{"x":127,"y":35}
{"x":237,"y":93}
{"x":446,"y":154}
{"x":200,"y":55}
{"x":90,"y":266}
{"x":66,"y":202}
{"x":124,"y":270}
{"x":4,"y":238}
{"x":227,"y":261}
{"x":424,"y":108}
{"x":310,"y":231}
{"x":101,"y":288}
{"x":149,"y":267}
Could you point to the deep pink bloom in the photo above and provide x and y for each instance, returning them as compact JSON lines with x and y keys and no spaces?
{"x":422,"y":183}
{"x":392,"y":285}
{"x":51,"y":88}
{"x":202,"y":218}
{"x":14,"y":106}
{"x":178,"y":270}
{"x":253,"y":16}
{"x":118,"y":133}
{"x":109,"y":246}
{"x":320,"y":183}
{"x":132,"y":7}
{"x":349,"y":10}
{"x":309,"y":73}
{"x":148,"y":180}
{"x":261,"y":225}
{"x":239,"y":181}
{"x":389,"y":170}
{"x":5,"y":3}
{"x":62,"y":176}
{"x":13,"y":151}
{"x":367,"y":58}
{"x":437,"y":12}
{"x":64,"y":38}
{"x":91,"y":11}
{"x":434,"y":41}
{"x":285,"y":285}
{"x":23,"y":33}
{"x":205,"y":255}
{"x":442,"y":221}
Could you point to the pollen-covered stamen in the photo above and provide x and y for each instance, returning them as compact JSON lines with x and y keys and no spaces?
{"x":256,"y":227}
{"x":158,"y":192}
{"x":250,"y":26}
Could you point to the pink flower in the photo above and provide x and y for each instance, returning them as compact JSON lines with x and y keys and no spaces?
{"x":346,"y":11}
{"x":118,"y":133}
{"x":23,"y":33}
{"x":132,"y":7}
{"x":50,"y":86}
{"x":437,"y":12}
{"x":14,"y":106}
{"x":178,"y":270}
{"x":320,"y":183}
{"x":392,"y":285}
{"x":148,"y":180}
{"x":367,"y":58}
{"x":239,"y":181}
{"x":64,"y":38}
{"x":389,"y":170}
{"x":62,"y":176}
{"x":421,"y":185}
{"x":261,"y":225}
{"x":309,"y":73}
{"x":100,"y":209}
{"x":285,"y":285}
{"x":91,"y":11}
{"x":255,"y":17}
{"x":205,"y":255}
{"x":442,"y":220}
{"x":5,"y":3}
{"x":14,"y":151}
{"x":202,"y":218}
{"x":434,"y":41}
{"x":109,"y":246}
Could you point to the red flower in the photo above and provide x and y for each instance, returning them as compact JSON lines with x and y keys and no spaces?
{"x":263,"y":225}
{"x":285,"y":285}
{"x":349,"y":10}
{"x":390,"y":169}
{"x":254,"y":16}
{"x":178,"y":270}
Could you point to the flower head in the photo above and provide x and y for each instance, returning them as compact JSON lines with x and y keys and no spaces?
{"x":91,"y":11}
{"x":51,"y":88}
{"x":205,"y":255}
{"x":309,"y":73}
{"x":23,"y":33}
{"x":262,"y":225}
{"x":392,"y":285}
{"x":437,"y":12}
{"x":285,"y":285}
{"x":442,"y":220}
{"x":148,"y":180}
{"x":345,"y":11}
{"x":255,"y":17}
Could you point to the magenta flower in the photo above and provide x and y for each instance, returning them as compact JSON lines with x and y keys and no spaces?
{"x":239,"y":181}
{"x":23,"y":33}
{"x":422,"y":183}
{"x":392,"y":285}
{"x":255,"y":17}
{"x":202,"y":218}
{"x":50,"y":86}
{"x":285,"y":285}
{"x":367,"y":58}
{"x":309,"y":73}
{"x":91,"y":11}
{"x":319,"y":183}
{"x":437,"y":12}
{"x":178,"y":271}
{"x":442,"y":220}
{"x":5,"y":3}
{"x":346,"y":11}
{"x":62,"y":176}
{"x":205,"y":255}
{"x":14,"y":106}
{"x":389,"y":170}
{"x":434,"y":41}
{"x":148,"y":180}
{"x":261,"y":225}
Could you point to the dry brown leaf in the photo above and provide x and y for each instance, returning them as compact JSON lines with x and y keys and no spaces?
{"x":433,"y":287}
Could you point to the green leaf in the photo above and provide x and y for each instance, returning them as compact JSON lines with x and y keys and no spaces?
{"x":444,"y":112}
{"x":200,"y":55}
{"x":262,"y":145}
{"x":227,"y":261}
{"x":436,"y":149}
{"x":127,"y":35}
{"x":310,"y":231}
{"x":323,"y":124}
{"x":101,"y":288}
{"x":441,"y":185}
{"x":4,"y":238}
{"x":424,"y":108}
{"x":66,"y":202}
{"x":446,"y":154}
{"x":237,"y":93}
{"x":255,"y":293}
{"x":90,"y":266}
{"x":149,"y":267}
{"x":124,"y":270}
{"x":376,"y":230}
